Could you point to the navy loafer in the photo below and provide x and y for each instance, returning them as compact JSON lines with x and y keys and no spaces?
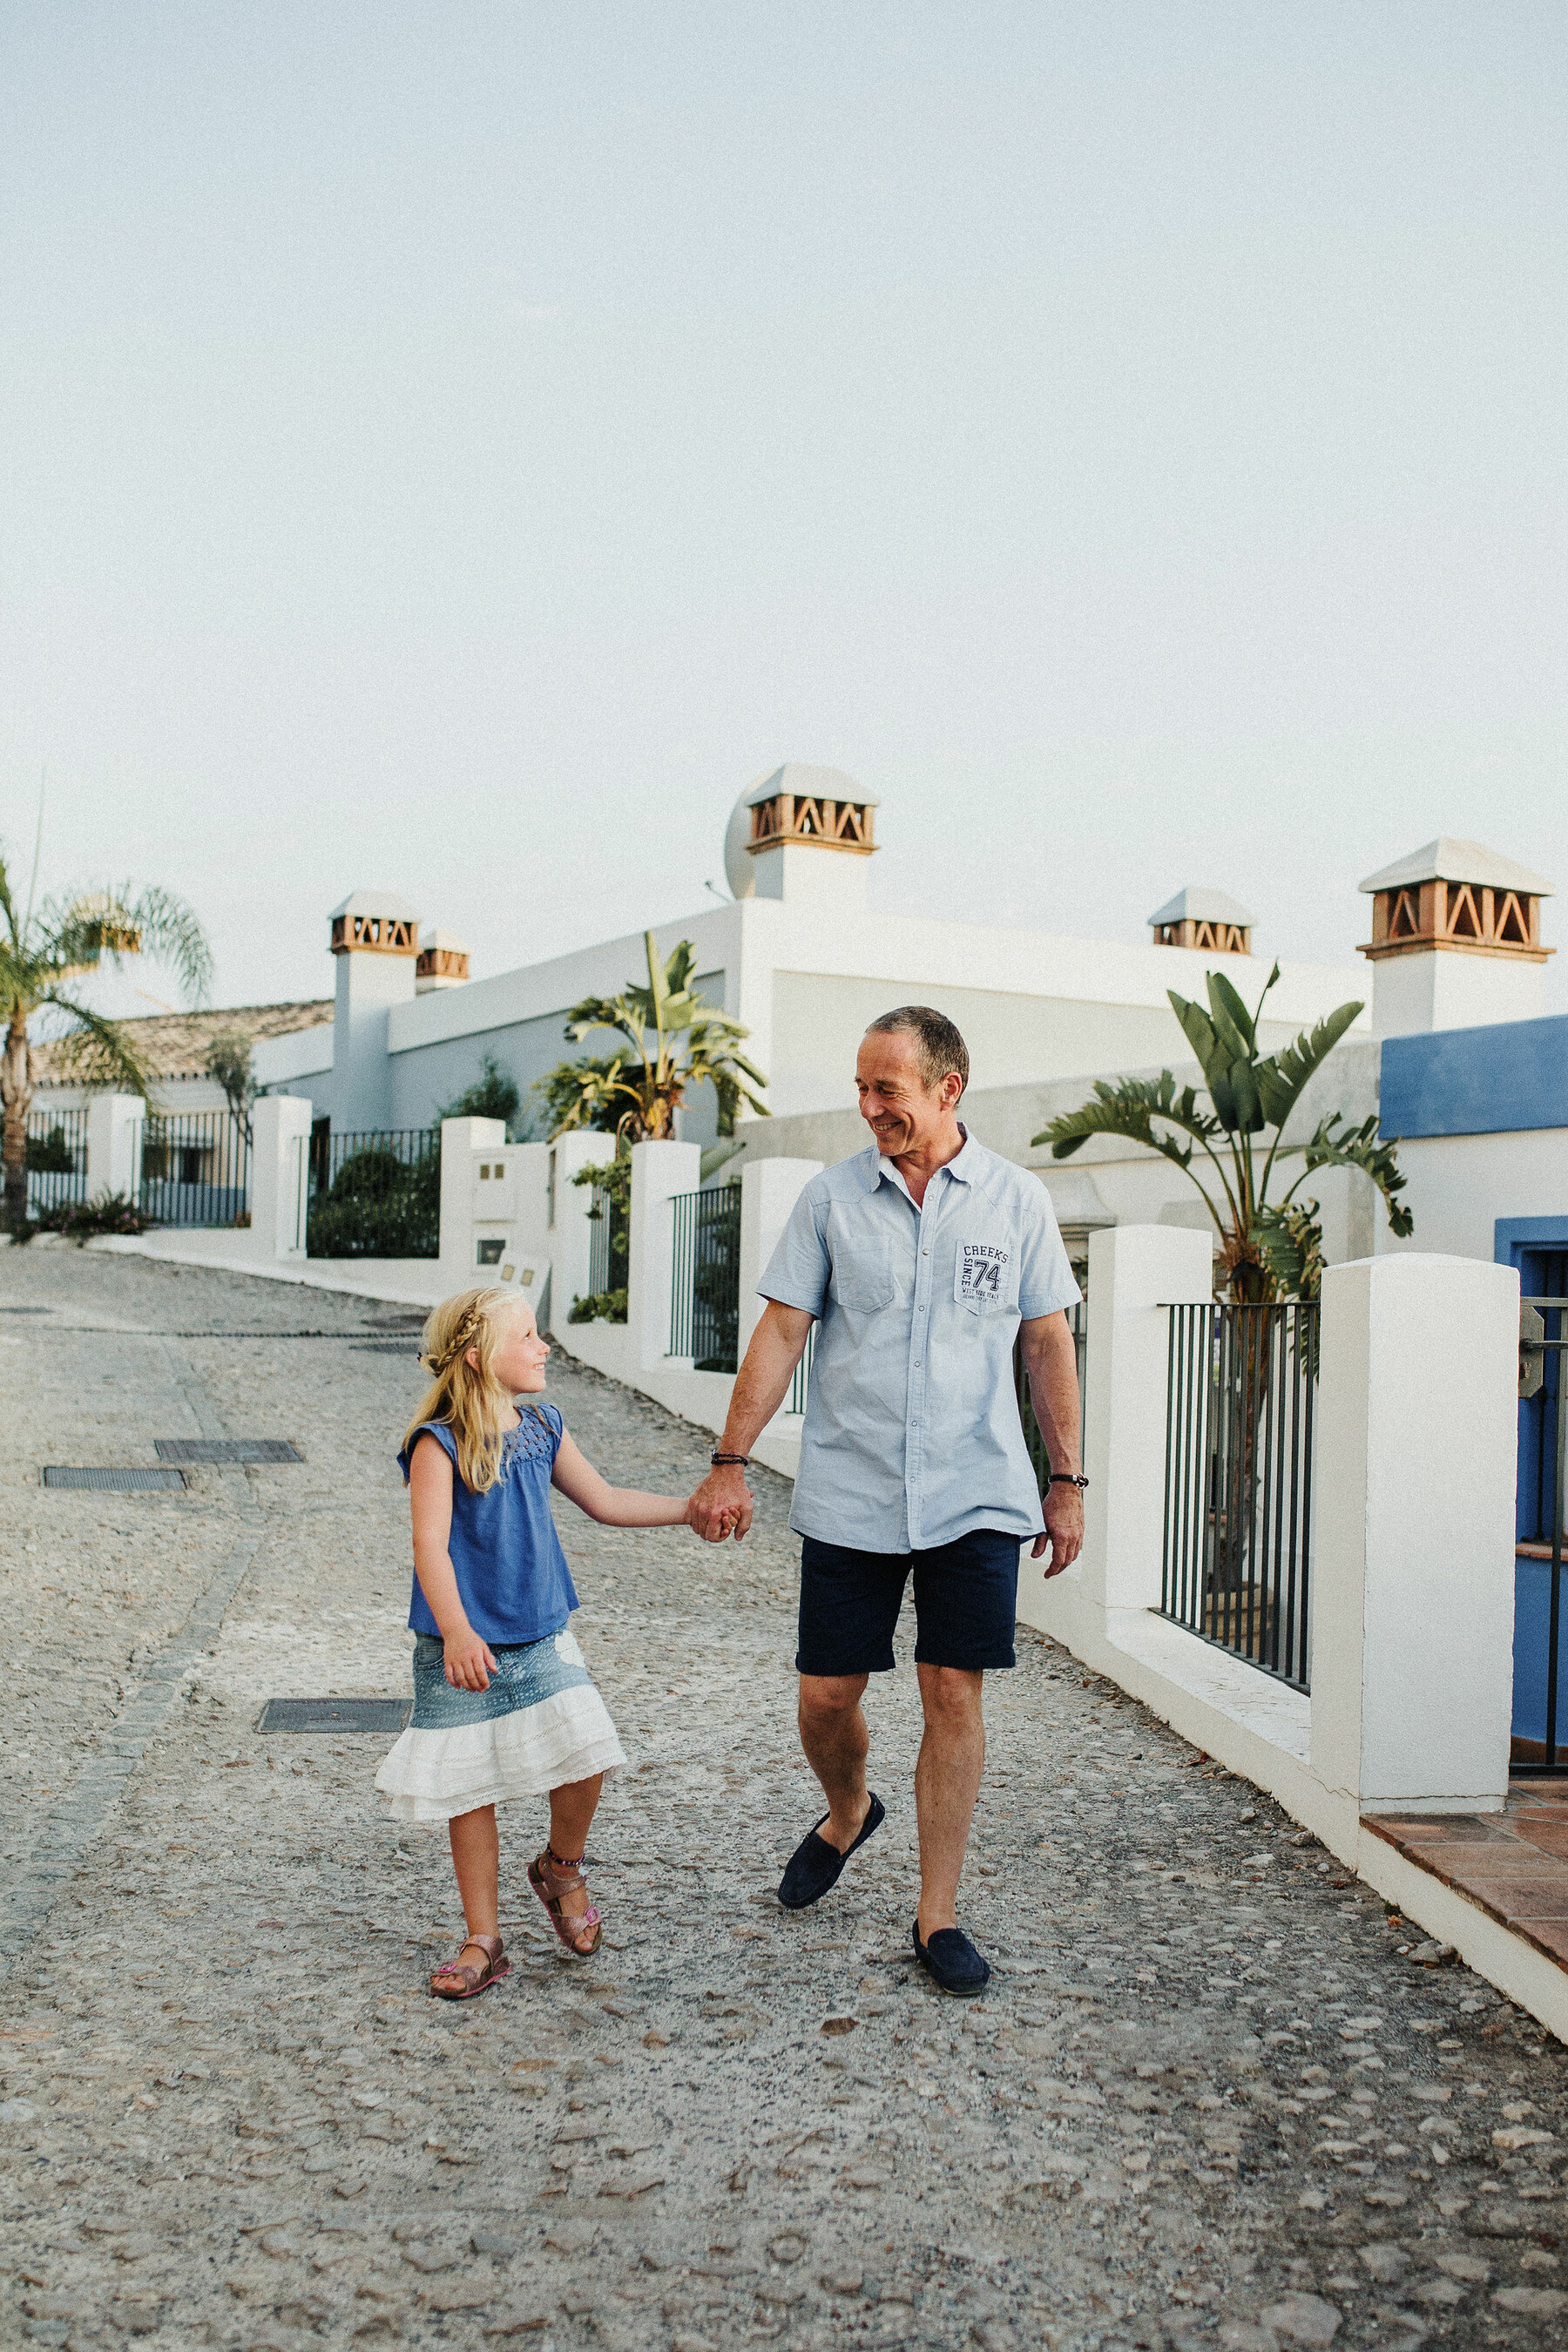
{"x":814,"y":1865}
{"x":953,"y":1960}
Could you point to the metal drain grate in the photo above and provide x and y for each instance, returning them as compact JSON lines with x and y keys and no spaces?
{"x":334,"y":1714}
{"x":27,"y":1310}
{"x":116,"y":1482}
{"x":225,"y":1449}
{"x":409,"y":1348}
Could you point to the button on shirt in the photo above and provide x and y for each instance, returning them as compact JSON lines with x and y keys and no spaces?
{"x":911,"y":1435}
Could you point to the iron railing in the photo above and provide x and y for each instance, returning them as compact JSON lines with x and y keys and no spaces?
{"x":1540,"y":1665}
{"x":376,"y":1194}
{"x":800,"y":1386}
{"x":1078,"y":1324}
{"x":1241,"y":1388}
{"x":57,"y":1158}
{"x":195,"y":1168}
{"x":705,"y":1283}
{"x":609,"y":1243}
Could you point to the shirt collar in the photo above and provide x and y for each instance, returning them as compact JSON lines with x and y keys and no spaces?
{"x":960,"y":1167}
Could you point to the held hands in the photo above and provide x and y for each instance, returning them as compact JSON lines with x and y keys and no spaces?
{"x":469,"y":1662}
{"x":721,"y":1505}
{"x":1063,"y":1512}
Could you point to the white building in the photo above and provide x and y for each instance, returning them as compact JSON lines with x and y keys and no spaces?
{"x":801,"y":958}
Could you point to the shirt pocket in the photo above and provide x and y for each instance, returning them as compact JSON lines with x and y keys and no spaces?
{"x":985,"y":1277}
{"x":863,"y":1272}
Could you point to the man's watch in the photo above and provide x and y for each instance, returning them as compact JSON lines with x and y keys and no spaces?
{"x":1067,"y":1478}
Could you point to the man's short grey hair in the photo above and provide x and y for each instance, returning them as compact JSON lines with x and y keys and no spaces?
{"x":938,"y":1048}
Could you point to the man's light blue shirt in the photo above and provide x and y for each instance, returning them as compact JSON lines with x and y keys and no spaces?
{"x":911,"y":1434}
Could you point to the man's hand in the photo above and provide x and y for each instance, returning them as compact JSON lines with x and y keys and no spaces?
{"x":469,"y":1662}
{"x":722,"y":1505}
{"x":1063,"y":1512}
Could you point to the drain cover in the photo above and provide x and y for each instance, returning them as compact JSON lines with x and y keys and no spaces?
{"x":333,"y":1715}
{"x":225,"y":1449}
{"x":27,"y":1310}
{"x":116,"y":1482}
{"x":408,"y":1347}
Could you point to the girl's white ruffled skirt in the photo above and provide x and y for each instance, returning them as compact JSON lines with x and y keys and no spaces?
{"x":541,"y":1724}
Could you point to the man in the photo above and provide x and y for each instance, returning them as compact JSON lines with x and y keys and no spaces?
{"x":921,"y":1258}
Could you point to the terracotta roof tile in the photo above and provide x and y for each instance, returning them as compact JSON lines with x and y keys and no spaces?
{"x":175,"y":1043}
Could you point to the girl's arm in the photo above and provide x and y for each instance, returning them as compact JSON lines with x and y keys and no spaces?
{"x":469,"y":1661}
{"x":614,"y":1507}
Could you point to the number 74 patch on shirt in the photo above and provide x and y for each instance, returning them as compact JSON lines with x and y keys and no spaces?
{"x":981,"y":1268}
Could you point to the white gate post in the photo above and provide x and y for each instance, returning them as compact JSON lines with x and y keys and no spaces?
{"x":659,"y":1171}
{"x":279,"y":1147}
{"x":114,"y":1145}
{"x":1413,"y":1491}
{"x":769,"y":1190}
{"x":460,"y":1139}
{"x":570,"y":1212}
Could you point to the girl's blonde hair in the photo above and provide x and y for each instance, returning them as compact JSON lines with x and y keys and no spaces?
{"x":468,"y":1398}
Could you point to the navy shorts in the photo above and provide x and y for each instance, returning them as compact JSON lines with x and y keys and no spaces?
{"x":967,"y":1604}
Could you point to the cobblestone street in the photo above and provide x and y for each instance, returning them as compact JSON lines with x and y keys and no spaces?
{"x":1206,"y":2101}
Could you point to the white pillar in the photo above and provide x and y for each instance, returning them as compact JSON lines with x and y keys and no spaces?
{"x":1412,"y":1655}
{"x":1134,"y":1272}
{"x":280,"y":1167}
{"x":769,"y":1190}
{"x":659,"y":1170}
{"x":461,"y":1138}
{"x":114,"y":1145}
{"x":570,"y":1204}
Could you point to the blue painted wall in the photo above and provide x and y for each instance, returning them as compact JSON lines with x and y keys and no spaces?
{"x":1509,"y":1075}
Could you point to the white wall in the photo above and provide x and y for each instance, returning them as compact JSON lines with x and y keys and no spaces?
{"x":1460,"y":1184}
{"x":1445,"y":988}
{"x":282,"y":1063}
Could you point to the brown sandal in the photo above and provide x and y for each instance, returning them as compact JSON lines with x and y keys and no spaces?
{"x":465,"y":1981}
{"x":550,"y":1878}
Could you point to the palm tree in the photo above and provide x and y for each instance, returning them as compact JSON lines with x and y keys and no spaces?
{"x":42,"y":951}
{"x":1271,"y":1248}
{"x":674,"y":1040}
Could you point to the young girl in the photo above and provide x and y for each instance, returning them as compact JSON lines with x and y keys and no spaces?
{"x":504,"y":1706}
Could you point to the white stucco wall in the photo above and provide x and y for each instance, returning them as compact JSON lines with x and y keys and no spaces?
{"x":1460,"y":1185}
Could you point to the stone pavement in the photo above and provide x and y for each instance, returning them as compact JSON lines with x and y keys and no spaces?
{"x":1208,"y":2101}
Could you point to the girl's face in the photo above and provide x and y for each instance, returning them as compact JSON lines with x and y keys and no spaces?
{"x":520,"y":1354}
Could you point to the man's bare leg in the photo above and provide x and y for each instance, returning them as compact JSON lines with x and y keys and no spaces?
{"x":947,"y":1782}
{"x":833,"y":1734}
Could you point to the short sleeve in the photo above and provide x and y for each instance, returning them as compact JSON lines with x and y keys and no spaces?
{"x":797,"y":1272}
{"x":554,"y":1421}
{"x":443,"y":1437}
{"x":1045,"y":1280}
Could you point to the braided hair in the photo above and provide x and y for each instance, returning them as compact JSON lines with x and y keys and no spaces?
{"x":466,"y":1397}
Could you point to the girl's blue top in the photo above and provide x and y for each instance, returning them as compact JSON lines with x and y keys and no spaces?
{"x":511,"y":1572}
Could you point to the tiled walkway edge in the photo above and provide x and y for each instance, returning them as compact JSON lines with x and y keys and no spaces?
{"x":1493,"y":1885}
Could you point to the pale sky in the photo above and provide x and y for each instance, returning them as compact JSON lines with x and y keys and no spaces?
{"x":455,"y":448}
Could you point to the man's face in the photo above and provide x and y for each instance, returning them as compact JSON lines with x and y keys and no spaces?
{"x":903,"y":1113}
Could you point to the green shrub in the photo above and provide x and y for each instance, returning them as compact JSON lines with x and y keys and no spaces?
{"x":79,"y":1220}
{"x":600,"y":1307}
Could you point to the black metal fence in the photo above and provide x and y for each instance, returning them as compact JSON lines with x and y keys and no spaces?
{"x":1078,"y":1324}
{"x":1242,"y":1385}
{"x":609,"y":1241}
{"x":800,"y":1386}
{"x":1540,"y":1651}
{"x":57,"y":1158}
{"x":195,"y":1168}
{"x":376,"y":1194}
{"x":705,"y":1283}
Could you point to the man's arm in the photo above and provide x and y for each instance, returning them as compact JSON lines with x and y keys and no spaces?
{"x":777,"y":1345}
{"x":1050,"y":1358}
